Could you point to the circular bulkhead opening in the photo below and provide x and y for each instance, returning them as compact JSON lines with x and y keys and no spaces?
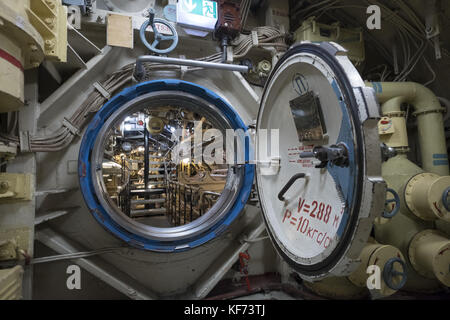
{"x":154,"y":168}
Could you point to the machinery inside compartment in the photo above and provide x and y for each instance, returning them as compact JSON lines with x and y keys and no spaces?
{"x":224,"y":149}
{"x":142,"y":178}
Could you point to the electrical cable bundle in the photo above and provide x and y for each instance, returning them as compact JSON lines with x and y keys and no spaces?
{"x":62,"y":137}
{"x":410,"y":32}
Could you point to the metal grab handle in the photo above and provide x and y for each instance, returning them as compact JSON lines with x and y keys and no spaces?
{"x":445,"y":199}
{"x":389,"y":273}
{"x":289,"y":184}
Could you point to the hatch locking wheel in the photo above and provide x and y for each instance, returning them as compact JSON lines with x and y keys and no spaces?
{"x":159,"y":37}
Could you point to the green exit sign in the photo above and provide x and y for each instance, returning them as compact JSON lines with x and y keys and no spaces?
{"x":201,"y":14}
{"x":203,"y":8}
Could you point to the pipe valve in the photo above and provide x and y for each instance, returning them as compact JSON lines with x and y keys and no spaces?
{"x":445,"y":201}
{"x":387,"y":152}
{"x":336,"y":154}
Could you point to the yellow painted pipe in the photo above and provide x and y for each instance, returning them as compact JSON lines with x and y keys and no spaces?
{"x":399,"y":230}
{"x":429,"y":253}
{"x":376,"y":254}
{"x":423,"y":196}
{"x":392,"y":126}
{"x":429,"y":119}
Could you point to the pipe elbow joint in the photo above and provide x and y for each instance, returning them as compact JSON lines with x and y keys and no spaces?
{"x":424,"y":100}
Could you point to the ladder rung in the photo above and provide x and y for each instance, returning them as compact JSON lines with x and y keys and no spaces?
{"x":145,"y":201}
{"x":155,"y":176}
{"x":151,"y":190}
{"x":150,"y":184}
{"x":146,"y":212}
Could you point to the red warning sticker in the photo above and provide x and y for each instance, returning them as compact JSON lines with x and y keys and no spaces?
{"x":294,"y":156}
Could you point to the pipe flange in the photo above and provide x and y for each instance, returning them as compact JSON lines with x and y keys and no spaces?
{"x":418,"y":113}
{"x":429,"y":254}
{"x":394,"y":114}
{"x":423,"y":196}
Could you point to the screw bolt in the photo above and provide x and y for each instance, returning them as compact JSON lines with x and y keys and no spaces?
{"x":49,"y":22}
{"x":4,"y":185}
{"x":33,"y":47}
{"x":49,"y":44}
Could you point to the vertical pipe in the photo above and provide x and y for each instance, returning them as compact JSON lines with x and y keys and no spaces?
{"x":432,"y":143}
{"x":430,"y":122}
{"x":184,"y":201}
{"x":190,"y":204}
{"x":146,"y":163}
{"x":179,"y":204}
{"x":171,"y":201}
{"x":122,"y":180}
{"x":168,"y":201}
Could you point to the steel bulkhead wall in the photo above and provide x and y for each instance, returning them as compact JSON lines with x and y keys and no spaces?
{"x":86,"y":179}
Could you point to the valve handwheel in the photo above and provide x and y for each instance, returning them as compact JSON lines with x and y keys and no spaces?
{"x":158,"y":36}
{"x":389,"y":273}
{"x":445,"y":201}
{"x":396,"y":200}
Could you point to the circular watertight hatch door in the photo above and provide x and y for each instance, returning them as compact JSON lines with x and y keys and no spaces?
{"x":318,"y":160}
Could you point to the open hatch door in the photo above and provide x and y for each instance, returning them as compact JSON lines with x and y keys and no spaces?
{"x":320,"y":194}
